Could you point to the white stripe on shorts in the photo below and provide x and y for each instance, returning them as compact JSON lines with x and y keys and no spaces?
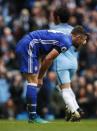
{"x":32,"y":84}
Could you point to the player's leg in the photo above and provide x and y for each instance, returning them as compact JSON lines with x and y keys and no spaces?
{"x":78,"y":109}
{"x":65,"y":85}
{"x":29,"y":67}
{"x":72,"y":73}
{"x":31,"y":94}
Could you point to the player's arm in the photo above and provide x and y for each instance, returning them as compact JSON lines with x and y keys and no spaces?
{"x":47,"y":62}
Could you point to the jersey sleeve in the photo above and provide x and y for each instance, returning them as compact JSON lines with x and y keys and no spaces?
{"x":63,"y":45}
{"x":57,"y":48}
{"x":60,"y":49}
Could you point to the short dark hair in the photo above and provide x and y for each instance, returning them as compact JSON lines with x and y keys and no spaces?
{"x":78,"y":30}
{"x":63,"y":14}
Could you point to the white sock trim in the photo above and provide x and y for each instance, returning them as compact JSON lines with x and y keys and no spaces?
{"x":66,"y":89}
{"x":31,"y":105}
{"x":32,"y":112}
{"x":32,"y":84}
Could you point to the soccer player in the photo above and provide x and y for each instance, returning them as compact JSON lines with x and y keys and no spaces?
{"x":32,"y":47}
{"x":68,"y":67}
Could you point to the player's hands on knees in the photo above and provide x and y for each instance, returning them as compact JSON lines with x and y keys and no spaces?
{"x":40,"y":82}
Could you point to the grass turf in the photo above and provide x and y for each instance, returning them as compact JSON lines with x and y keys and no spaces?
{"x":58,"y":125}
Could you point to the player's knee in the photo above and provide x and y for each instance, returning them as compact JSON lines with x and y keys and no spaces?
{"x":31,"y":78}
{"x":65,"y":85}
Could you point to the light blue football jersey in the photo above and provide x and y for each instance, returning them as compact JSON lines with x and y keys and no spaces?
{"x":68,"y":59}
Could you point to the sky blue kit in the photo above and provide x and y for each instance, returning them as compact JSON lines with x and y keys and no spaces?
{"x":65,"y":65}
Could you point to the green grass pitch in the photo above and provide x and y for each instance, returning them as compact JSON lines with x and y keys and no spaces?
{"x":58,"y":125}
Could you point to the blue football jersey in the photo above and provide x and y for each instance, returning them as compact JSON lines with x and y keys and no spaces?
{"x":43,"y":41}
{"x":38,"y":43}
{"x":48,"y":39}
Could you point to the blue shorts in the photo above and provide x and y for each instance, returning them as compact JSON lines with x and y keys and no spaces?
{"x":65,"y":76}
{"x":28,"y":62}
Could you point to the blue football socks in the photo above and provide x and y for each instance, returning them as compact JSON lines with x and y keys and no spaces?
{"x":31,"y":96}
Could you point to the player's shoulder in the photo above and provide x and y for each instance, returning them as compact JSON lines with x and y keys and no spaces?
{"x":54,"y":31}
{"x":65,"y":37}
{"x":55,"y":34}
{"x":67,"y":40}
{"x":61,"y":36}
{"x":39,"y":31}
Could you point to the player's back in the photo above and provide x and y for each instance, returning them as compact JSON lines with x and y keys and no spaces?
{"x":43,"y":35}
{"x":43,"y":41}
{"x":50,"y":38}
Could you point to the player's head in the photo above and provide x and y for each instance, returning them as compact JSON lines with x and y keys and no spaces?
{"x":62,"y":15}
{"x":79,"y":36}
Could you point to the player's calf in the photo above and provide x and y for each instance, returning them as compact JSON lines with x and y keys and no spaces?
{"x":67,"y":114}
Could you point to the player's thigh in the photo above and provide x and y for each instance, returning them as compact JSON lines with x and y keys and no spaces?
{"x":31,"y":78}
{"x":63,"y":77}
{"x":28,"y":63}
{"x":30,"y":70}
{"x":72,"y":73}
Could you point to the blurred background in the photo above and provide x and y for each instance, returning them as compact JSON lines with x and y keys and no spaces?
{"x":17,"y":18}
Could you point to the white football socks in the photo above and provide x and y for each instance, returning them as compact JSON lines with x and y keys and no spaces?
{"x":74,"y":99}
{"x":69,"y":99}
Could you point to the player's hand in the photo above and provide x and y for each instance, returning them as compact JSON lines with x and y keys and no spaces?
{"x":40,"y":82}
